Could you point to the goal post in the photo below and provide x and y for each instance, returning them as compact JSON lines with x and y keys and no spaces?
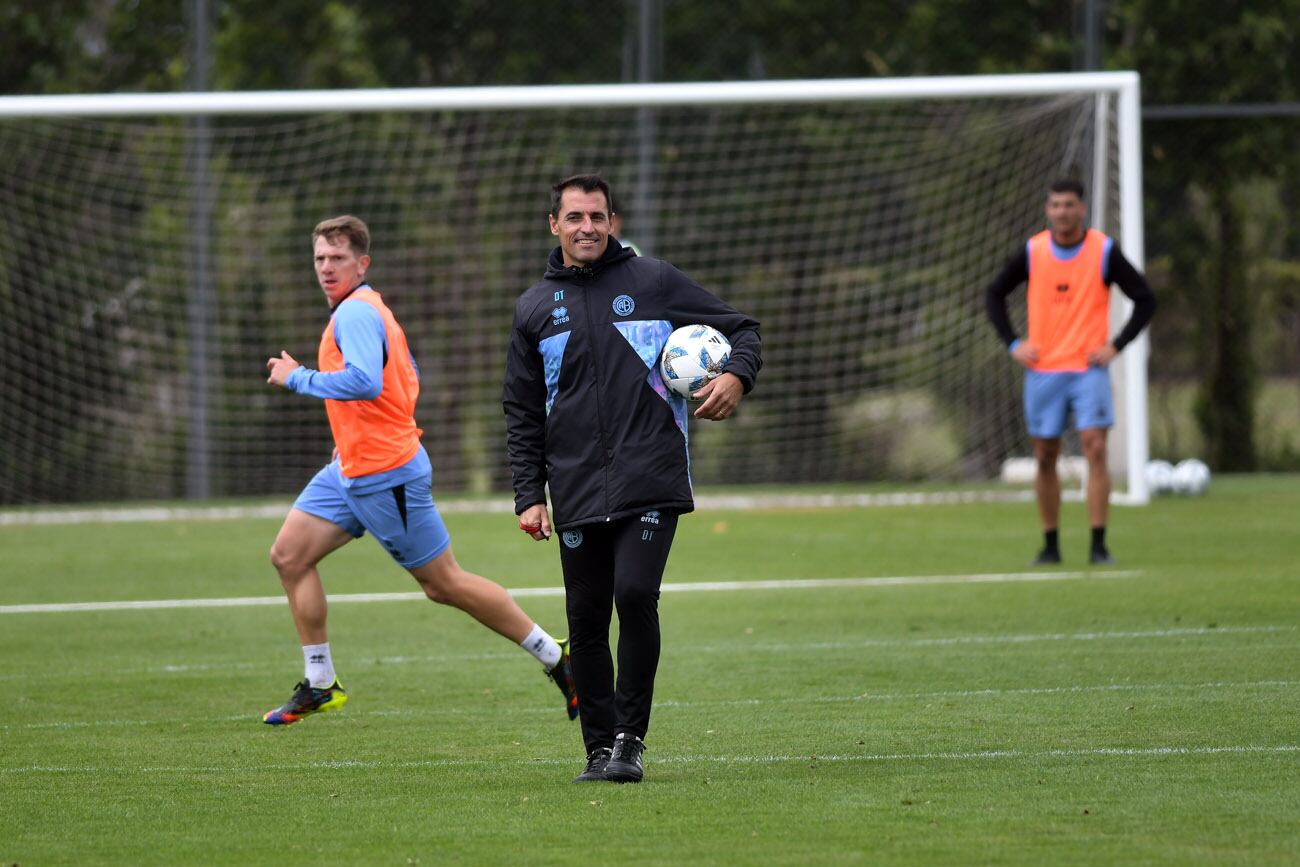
{"x":857,"y":219}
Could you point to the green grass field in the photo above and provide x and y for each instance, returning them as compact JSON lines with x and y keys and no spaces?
{"x":1146,"y":714}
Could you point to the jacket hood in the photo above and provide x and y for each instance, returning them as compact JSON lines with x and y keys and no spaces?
{"x":614,"y":252}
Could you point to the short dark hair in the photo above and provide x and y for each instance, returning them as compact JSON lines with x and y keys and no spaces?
{"x":1067,"y":185}
{"x":348,"y":226}
{"x":586,"y":183}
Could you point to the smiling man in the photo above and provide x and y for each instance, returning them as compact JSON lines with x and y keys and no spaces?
{"x":588,"y":415}
{"x":1069,"y":269}
{"x":380,"y":479}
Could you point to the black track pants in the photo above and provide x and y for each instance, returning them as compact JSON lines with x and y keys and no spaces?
{"x":611,"y":566}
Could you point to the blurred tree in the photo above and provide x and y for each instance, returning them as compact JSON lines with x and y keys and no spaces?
{"x":294,"y":44}
{"x":780,"y":39}
{"x":38,"y":43}
{"x":91,"y":46}
{"x":405,"y":43}
{"x":1202,"y":51}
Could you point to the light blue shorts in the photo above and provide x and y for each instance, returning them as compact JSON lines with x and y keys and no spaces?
{"x":403,"y":518}
{"x":1050,"y":397}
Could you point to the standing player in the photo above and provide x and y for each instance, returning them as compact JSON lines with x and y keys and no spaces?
{"x":1069,"y":270}
{"x":379,"y":480}
{"x":588,"y":414}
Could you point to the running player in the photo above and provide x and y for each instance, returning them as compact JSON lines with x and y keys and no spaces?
{"x":379,"y":480}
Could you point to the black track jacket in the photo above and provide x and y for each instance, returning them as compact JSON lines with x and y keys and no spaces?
{"x":586,"y":409}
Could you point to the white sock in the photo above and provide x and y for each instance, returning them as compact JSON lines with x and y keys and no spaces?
{"x":319,"y":666}
{"x":542,"y":646}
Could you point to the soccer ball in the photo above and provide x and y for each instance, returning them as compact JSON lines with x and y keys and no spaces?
{"x":693,"y":355}
{"x":1160,"y":477}
{"x":1191,"y":478}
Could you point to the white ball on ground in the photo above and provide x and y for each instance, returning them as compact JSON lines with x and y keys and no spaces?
{"x":1160,"y":477}
{"x":1191,"y":478}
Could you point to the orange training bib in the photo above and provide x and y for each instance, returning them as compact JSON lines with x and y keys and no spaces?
{"x":1069,"y":303}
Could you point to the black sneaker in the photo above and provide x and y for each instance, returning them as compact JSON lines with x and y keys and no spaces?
{"x":562,"y":674}
{"x":596,"y":763}
{"x":1048,"y":557}
{"x":624,"y":765}
{"x":1100,"y":557}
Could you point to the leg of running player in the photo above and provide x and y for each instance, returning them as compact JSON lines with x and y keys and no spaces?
{"x":303,"y":541}
{"x":444,"y":581}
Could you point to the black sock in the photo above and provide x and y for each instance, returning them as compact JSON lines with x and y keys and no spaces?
{"x":1049,"y":540}
{"x":1099,"y":538}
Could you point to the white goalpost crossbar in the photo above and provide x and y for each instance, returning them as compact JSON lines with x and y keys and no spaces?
{"x":566,"y":96}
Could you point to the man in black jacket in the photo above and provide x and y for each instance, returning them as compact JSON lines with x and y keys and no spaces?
{"x":588,"y":414}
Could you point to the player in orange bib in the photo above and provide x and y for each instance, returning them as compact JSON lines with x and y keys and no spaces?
{"x":379,"y":481}
{"x":1069,"y":269}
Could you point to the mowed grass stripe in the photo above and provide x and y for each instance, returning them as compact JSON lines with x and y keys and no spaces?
{"x":1030,"y":638}
{"x":687,"y":647}
{"x":364,"y":662}
{"x":548,"y":710}
{"x":677,"y":587}
{"x":975,"y":755}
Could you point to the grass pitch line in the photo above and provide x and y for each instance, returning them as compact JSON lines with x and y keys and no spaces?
{"x":809,"y":759}
{"x":790,"y":584}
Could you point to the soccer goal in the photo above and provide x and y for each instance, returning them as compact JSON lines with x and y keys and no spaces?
{"x":156,"y":251}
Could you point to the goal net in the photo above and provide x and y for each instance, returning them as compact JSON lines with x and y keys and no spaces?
{"x":156,"y":251}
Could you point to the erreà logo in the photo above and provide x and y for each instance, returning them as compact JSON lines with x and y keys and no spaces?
{"x":650,"y":518}
{"x":559,"y":315}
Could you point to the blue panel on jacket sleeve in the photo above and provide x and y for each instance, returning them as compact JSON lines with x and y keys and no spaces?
{"x":552,"y":349}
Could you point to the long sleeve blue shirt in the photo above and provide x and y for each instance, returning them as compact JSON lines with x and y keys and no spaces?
{"x":359,"y":333}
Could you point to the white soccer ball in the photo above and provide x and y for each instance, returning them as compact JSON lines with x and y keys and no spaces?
{"x":1160,"y":477}
{"x":1191,"y":478}
{"x":693,"y":355}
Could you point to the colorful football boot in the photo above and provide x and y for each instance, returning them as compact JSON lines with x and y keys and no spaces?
{"x":562,"y":674}
{"x":305,"y":701}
